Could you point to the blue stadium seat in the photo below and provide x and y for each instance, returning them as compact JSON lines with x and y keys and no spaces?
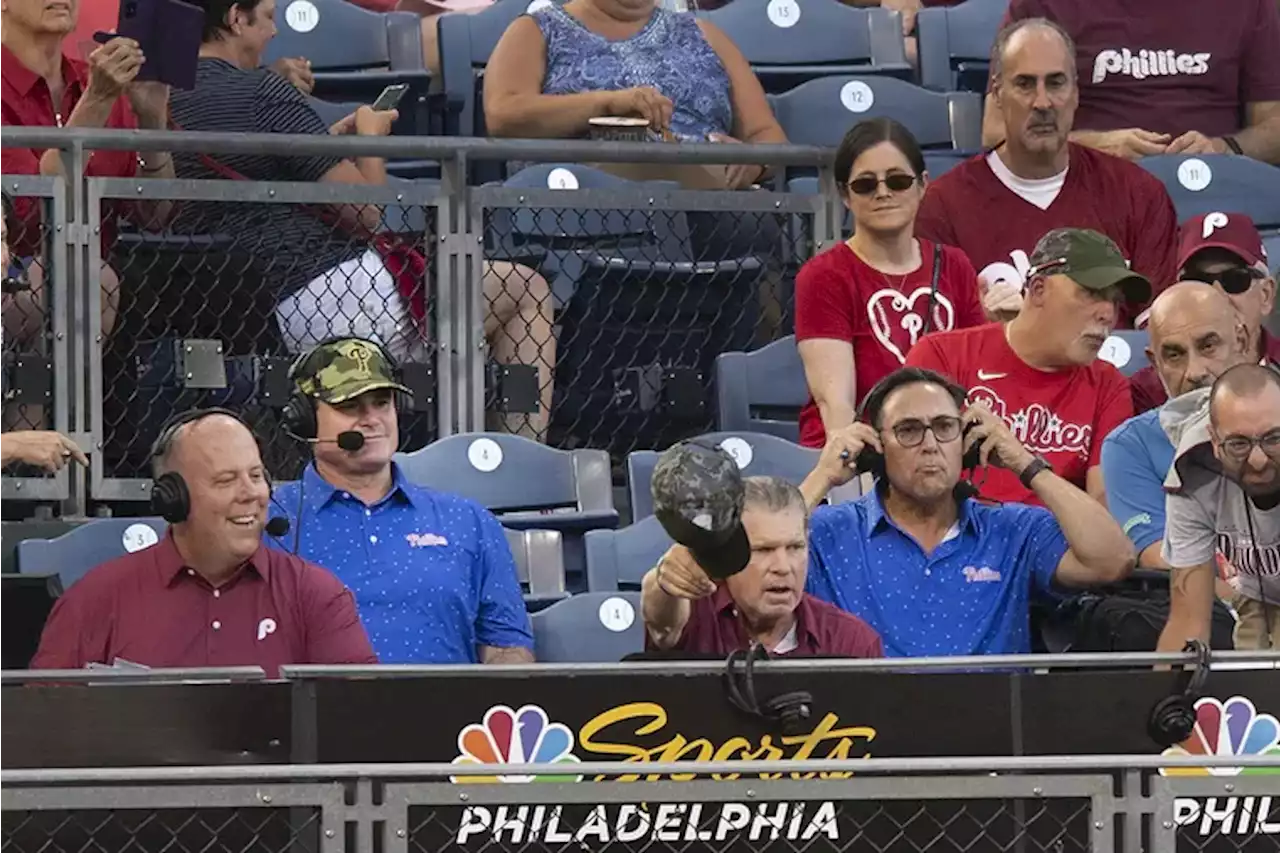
{"x":618,"y":559}
{"x":539,"y":557}
{"x":762,"y":391}
{"x":1271,"y":243}
{"x":1126,"y":349}
{"x":526,"y":484}
{"x":821,"y":111}
{"x":790,"y":41}
{"x":1219,"y":182}
{"x":75,"y":552}
{"x":589,"y":628}
{"x":954,"y":44}
{"x":758,"y":454}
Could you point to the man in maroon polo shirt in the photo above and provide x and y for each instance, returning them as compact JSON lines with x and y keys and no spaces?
{"x":764,"y":603}
{"x":1222,"y":249}
{"x":210,"y":593}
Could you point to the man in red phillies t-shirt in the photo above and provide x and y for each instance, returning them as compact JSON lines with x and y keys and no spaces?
{"x":1169,"y":76}
{"x":996,"y":206}
{"x":1041,"y":372}
{"x":1222,"y":249}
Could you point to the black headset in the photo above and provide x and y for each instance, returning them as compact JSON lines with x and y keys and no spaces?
{"x":1173,"y":718}
{"x":170,"y":497}
{"x":299,"y":415}
{"x":870,"y":460}
{"x":790,"y":712}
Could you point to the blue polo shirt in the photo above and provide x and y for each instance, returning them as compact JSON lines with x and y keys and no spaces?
{"x":1136,"y":457}
{"x":971,"y":596}
{"x":432,"y":573}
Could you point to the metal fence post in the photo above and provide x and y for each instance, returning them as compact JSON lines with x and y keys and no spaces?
{"x":82,"y":226}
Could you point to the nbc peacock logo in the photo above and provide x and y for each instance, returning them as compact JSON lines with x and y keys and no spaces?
{"x":1227,"y":728}
{"x":525,"y":736}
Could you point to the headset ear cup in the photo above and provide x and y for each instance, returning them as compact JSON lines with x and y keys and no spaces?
{"x":299,"y":416}
{"x":1172,"y":721}
{"x":170,"y":499}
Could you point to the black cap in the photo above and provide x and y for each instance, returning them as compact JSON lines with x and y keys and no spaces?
{"x":697,"y":497}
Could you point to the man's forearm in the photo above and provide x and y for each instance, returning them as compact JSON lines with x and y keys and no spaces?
{"x":665,"y":615}
{"x":815,"y":489}
{"x":1091,"y":533}
{"x":502,"y":654}
{"x":1261,"y":141}
{"x":1191,"y":594}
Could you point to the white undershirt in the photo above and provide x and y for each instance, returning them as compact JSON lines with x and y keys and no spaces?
{"x":1041,"y":191}
{"x":788,"y":643}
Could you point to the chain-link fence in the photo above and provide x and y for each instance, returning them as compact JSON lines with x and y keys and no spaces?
{"x":589,"y":318}
{"x":1222,"y":810}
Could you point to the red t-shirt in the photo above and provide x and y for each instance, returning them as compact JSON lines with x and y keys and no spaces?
{"x":1148,"y":390}
{"x":27,"y":102}
{"x":839,"y":296}
{"x":1167,"y":66}
{"x":1063,"y":415}
{"x":969,"y":207}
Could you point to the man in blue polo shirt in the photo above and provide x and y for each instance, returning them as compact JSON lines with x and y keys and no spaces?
{"x":934,"y":571}
{"x":1195,"y":336}
{"x":432,"y":573}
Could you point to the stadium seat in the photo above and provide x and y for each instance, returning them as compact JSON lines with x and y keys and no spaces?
{"x":75,"y":552}
{"x":539,"y":557}
{"x":1271,"y":243}
{"x":589,"y":628}
{"x":618,"y":559}
{"x":762,"y":391}
{"x":790,"y":41}
{"x":757,"y":454}
{"x":526,"y":484}
{"x":1220,"y":183}
{"x":1126,"y":349}
{"x":954,"y":44}
{"x":821,"y":111}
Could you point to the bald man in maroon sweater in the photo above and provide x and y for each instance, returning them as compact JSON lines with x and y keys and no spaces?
{"x":998,"y":205}
{"x":209,"y":594}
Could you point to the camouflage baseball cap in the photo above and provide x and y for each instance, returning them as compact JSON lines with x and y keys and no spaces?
{"x":697,"y":497}
{"x":340,"y":370}
{"x":1091,"y":260}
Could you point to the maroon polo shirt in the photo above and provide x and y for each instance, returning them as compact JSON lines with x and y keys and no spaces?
{"x":149,"y":608}
{"x":822,"y":630}
{"x":1148,"y":390}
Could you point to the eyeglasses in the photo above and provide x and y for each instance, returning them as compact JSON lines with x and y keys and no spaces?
{"x":1234,"y":280}
{"x":1238,"y":447}
{"x":896,"y":182}
{"x":910,"y":433}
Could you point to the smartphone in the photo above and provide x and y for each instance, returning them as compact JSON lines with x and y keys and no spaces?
{"x":390,"y":96}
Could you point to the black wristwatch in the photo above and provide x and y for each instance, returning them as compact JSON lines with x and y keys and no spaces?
{"x":1029,"y":473}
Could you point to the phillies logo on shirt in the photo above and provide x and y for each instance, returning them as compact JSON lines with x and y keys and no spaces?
{"x":1148,"y":63}
{"x":1037,"y":427}
{"x":986,"y":574}
{"x":897,"y":315}
{"x":425,"y":540}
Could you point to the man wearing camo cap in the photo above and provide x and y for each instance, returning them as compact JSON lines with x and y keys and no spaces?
{"x":432,"y":573}
{"x":737,"y":574}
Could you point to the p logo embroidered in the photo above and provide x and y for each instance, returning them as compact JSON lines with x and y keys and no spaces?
{"x":265,"y":627}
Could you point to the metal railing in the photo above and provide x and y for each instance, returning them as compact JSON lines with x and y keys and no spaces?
{"x":1056,"y":803}
{"x":613,"y":299}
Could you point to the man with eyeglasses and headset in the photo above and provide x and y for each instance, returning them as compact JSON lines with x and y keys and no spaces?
{"x":931,"y":569}
{"x":1041,"y":372}
{"x":1223,"y":509}
{"x":1225,"y":250}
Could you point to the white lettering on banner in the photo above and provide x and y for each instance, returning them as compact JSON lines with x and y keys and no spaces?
{"x":887,"y":308}
{"x":664,"y":822}
{"x":1227,"y":816}
{"x":1148,"y":63}
{"x":1038,"y":428}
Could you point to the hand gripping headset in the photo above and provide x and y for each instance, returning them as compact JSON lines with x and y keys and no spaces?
{"x":299,"y":415}
{"x":1173,"y":718}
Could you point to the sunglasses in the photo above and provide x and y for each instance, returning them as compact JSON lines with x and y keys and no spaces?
{"x":1234,"y":280}
{"x":897,"y":182}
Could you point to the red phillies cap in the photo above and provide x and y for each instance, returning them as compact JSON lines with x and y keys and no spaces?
{"x":1234,"y":232}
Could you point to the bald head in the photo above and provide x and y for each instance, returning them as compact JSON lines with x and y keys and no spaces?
{"x":1244,"y":418}
{"x":1245,"y":382}
{"x":1195,"y":336}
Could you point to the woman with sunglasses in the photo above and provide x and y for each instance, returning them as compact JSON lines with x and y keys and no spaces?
{"x":861,"y":305}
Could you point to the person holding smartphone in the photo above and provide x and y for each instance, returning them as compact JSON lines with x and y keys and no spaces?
{"x":863,"y":304}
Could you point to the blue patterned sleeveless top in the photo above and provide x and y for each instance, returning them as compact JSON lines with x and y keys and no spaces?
{"x":670,"y":54}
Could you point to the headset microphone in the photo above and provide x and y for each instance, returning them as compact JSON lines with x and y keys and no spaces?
{"x":350,"y":440}
{"x":277,"y":526}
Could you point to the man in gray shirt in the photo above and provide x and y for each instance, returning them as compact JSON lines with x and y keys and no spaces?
{"x":1222,"y":511}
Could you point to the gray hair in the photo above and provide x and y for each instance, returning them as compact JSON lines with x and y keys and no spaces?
{"x":1001,"y":45}
{"x":773,"y":494}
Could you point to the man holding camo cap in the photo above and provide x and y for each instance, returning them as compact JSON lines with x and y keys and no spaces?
{"x":737,"y":574}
